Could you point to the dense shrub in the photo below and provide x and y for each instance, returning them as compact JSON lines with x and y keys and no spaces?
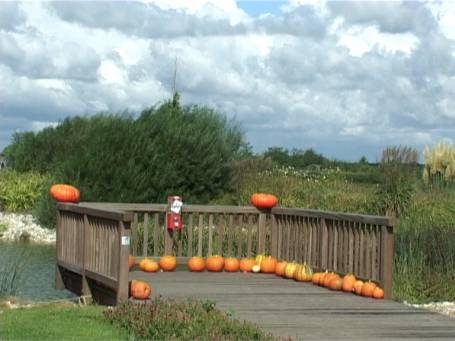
{"x":399,"y":174}
{"x":44,"y":208}
{"x":19,"y":191}
{"x":167,"y":319}
{"x":367,"y":177}
{"x":167,"y":150}
{"x":424,"y":268}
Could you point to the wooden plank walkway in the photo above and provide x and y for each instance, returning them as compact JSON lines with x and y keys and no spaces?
{"x":301,"y":310}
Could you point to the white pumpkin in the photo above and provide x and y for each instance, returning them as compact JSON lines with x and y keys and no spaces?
{"x":256,"y":268}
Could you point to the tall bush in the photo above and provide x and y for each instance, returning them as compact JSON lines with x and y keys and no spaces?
{"x":168,"y":149}
{"x":398,"y":172}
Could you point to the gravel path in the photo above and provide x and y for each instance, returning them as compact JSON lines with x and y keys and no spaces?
{"x":444,"y":308}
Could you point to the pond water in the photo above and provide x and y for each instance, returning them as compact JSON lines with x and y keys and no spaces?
{"x":38,"y":270}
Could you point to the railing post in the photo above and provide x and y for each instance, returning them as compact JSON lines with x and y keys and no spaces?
{"x":146,"y":236}
{"x":85,"y":248}
{"x":135,"y":234}
{"x":261,"y":232}
{"x":168,"y":241}
{"x":124,"y":234}
{"x":59,"y":284}
{"x":323,"y":244}
{"x":387,"y":260}
{"x":274,"y":238}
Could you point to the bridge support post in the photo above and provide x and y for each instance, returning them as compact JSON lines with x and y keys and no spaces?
{"x":123,"y":271}
{"x":59,"y":284}
{"x":85,"y":245}
{"x":387,"y":260}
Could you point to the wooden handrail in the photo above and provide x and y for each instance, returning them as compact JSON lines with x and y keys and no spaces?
{"x":96,"y":211}
{"x":360,"y":218}
{"x":185,"y":208}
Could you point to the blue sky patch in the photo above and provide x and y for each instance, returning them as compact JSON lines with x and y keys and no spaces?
{"x":256,"y":8}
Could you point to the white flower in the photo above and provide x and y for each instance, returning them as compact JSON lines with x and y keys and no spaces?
{"x":21,"y":225}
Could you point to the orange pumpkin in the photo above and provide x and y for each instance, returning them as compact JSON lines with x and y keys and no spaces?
{"x":246,"y":264}
{"x":262,"y":200}
{"x":168,"y":263}
{"x":358,"y":287}
{"x":348,"y":282}
{"x":231,"y":264}
{"x":140,"y":290}
{"x":65,"y":193}
{"x":151,"y":266}
{"x":327,"y":278}
{"x":143,"y":263}
{"x":130,"y":262}
{"x":368,"y":289}
{"x":196,"y":264}
{"x":268,"y":265}
{"x":279,"y":268}
{"x":378,"y":293}
{"x":316,"y":278}
{"x":336,"y":283}
{"x":215,"y":263}
{"x":322,"y":278}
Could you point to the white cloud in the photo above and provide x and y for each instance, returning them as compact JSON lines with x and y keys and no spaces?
{"x":360,"y":39}
{"x":316,"y":75}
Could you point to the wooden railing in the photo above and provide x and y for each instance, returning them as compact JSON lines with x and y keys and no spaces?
{"x":343,"y":243}
{"x":92,"y":252}
{"x":226,"y":230}
{"x":339,"y":242}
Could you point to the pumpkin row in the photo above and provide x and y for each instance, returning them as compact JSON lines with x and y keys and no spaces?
{"x":330,"y":280}
{"x":267,"y":264}
{"x":348,"y":283}
{"x":213,"y":263}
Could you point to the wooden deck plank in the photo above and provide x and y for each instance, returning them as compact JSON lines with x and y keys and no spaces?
{"x":302,"y":310}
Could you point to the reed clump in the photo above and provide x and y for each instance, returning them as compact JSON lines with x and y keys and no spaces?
{"x":439,"y":171}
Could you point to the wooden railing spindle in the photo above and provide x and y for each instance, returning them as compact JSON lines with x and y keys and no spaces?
{"x":146,"y":239}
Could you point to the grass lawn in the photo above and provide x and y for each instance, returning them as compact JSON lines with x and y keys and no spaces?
{"x":57,"y":322}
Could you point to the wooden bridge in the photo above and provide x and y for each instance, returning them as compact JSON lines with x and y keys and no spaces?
{"x":95,"y":239}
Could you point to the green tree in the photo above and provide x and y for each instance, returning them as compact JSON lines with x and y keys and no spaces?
{"x":363,"y":160}
{"x":279,"y":155}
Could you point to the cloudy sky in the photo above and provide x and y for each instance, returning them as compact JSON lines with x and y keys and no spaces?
{"x":345,"y":78}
